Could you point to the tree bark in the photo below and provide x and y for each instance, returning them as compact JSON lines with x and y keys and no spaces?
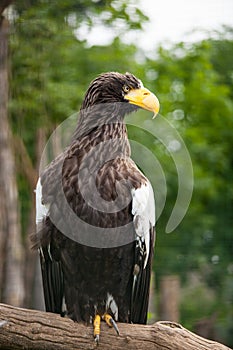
{"x":30,"y":329}
{"x":10,"y":241}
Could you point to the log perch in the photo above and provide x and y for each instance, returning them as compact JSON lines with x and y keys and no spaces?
{"x":31,"y":329}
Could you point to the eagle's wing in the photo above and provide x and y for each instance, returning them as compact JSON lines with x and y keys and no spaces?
{"x":143,"y":210}
{"x":52,"y":275}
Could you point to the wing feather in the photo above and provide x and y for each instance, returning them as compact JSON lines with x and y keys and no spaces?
{"x":144,"y":220}
{"x":52,"y":275}
{"x":52,"y":282}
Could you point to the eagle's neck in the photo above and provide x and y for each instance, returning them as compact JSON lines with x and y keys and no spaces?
{"x":98,"y":128}
{"x":110,"y":138}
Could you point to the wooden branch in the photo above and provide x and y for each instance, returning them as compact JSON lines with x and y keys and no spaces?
{"x":30,"y":329}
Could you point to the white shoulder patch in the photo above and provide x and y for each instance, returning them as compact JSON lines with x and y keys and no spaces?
{"x":41,"y":210}
{"x":143,"y":210}
{"x":140,"y":199}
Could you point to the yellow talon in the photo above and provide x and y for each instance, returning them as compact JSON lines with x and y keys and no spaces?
{"x":110,"y":321}
{"x":97,"y":321}
{"x":107,"y":318}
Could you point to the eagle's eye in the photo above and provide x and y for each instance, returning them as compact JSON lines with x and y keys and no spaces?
{"x":126,"y":88}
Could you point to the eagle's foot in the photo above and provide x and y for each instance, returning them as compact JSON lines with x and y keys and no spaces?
{"x":97,"y":321}
{"x":110,"y":322}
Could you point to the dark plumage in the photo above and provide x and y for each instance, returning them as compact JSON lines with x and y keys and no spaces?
{"x":101,"y":263}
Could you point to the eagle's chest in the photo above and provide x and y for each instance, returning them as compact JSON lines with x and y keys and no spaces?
{"x":99,"y":193}
{"x":93,"y":265}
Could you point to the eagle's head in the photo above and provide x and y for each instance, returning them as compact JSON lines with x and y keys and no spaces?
{"x":113,"y":87}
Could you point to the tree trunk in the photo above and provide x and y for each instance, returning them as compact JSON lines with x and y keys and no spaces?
{"x":169,"y":298}
{"x":29,"y":329}
{"x":33,"y":281}
{"x":11,"y":248}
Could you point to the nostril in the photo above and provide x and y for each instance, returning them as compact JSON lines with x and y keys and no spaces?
{"x":146,"y":93}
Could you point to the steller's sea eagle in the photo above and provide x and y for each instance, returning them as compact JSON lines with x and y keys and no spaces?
{"x":95,"y":213}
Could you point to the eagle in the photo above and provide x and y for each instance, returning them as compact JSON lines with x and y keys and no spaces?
{"x":95,"y":213}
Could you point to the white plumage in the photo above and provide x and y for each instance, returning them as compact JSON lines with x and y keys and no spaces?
{"x":41,"y":210}
{"x":143,"y":209}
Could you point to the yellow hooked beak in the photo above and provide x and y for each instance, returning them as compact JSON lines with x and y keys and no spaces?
{"x":143,"y":98}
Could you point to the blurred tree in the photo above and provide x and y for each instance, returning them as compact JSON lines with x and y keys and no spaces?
{"x":10,"y":238}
